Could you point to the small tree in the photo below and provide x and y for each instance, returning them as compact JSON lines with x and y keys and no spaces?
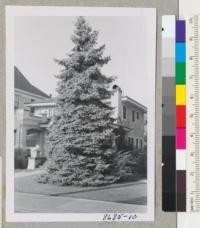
{"x":80,"y":136}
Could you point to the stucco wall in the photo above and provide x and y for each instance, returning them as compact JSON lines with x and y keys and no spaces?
{"x":136,"y":132}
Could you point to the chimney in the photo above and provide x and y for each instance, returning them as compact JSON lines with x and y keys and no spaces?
{"x":116,"y":102}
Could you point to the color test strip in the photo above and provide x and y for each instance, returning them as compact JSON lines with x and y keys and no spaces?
{"x":180,"y":116}
{"x":168,"y":114}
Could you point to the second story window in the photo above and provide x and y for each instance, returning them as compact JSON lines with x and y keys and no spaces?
{"x":133,"y":116}
{"x":17,"y":101}
{"x":124,"y":112}
{"x":32,"y":110}
{"x":138,"y":116}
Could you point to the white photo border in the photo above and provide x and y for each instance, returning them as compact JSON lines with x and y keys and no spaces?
{"x":11,"y":13}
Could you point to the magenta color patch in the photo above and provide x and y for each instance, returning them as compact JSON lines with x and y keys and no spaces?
{"x":180,"y":138}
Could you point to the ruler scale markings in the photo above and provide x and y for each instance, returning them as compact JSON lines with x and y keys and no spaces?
{"x":193,"y":114}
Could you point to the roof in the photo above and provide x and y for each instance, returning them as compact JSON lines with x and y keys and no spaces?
{"x":137,"y":104}
{"x":43,"y":103}
{"x":23,"y":84}
{"x":46,"y":100}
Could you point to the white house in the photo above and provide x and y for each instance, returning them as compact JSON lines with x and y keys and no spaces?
{"x":132,"y":116}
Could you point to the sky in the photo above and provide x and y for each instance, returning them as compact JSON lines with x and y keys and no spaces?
{"x":39,"y":40}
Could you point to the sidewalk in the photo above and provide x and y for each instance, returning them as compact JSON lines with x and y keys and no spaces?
{"x":51,"y":204}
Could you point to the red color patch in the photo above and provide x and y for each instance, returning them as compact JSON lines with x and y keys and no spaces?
{"x":180,"y":116}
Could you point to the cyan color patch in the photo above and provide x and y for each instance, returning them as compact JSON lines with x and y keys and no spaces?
{"x":180,"y":52}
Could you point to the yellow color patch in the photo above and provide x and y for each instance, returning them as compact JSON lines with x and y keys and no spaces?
{"x":180,"y":95}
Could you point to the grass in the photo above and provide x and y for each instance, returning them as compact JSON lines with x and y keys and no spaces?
{"x":130,"y":192}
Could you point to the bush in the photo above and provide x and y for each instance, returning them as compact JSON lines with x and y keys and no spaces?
{"x":42,"y":178}
{"x":21,"y":158}
{"x":141,"y":161}
{"x":127,"y":164}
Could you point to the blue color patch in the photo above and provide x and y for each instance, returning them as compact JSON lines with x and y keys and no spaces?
{"x":180,"y":52}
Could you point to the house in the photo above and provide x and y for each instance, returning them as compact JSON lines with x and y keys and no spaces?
{"x":132,"y":116}
{"x":34,"y":109}
{"x":26,"y":124}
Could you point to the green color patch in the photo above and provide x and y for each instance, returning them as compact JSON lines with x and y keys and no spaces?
{"x":180,"y":73}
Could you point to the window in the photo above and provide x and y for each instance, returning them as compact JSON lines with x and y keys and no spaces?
{"x":17,"y":100}
{"x":132,"y":143}
{"x":136,"y":143}
{"x":141,"y":143}
{"x":32,"y":138}
{"x":124,"y":112}
{"x":32,"y":110}
{"x":129,"y":141}
{"x":133,"y":116}
{"x":15,"y":136}
{"x":138,"y":115}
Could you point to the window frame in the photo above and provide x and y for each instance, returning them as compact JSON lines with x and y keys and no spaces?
{"x":124,"y":112}
{"x":129,"y":141}
{"x":137,"y":142}
{"x":137,"y":115}
{"x":133,"y":115}
{"x":132,"y":143}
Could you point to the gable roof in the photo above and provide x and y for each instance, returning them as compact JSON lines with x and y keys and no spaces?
{"x":23,"y":84}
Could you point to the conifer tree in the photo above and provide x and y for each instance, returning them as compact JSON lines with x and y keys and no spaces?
{"x":80,"y":135}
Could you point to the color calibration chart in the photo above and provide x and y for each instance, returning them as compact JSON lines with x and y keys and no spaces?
{"x":168,"y":114}
{"x":181,"y":114}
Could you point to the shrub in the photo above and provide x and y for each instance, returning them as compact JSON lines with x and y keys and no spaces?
{"x":127,"y":164}
{"x":141,"y":161}
{"x":21,"y":158}
{"x":42,"y":178}
{"x":132,"y":162}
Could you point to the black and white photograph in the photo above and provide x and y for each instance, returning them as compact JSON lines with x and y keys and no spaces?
{"x":80,"y":113}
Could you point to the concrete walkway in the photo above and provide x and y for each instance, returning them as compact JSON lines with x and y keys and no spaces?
{"x":50,"y":204}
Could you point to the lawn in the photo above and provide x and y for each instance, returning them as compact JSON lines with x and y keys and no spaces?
{"x":131,"y":192}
